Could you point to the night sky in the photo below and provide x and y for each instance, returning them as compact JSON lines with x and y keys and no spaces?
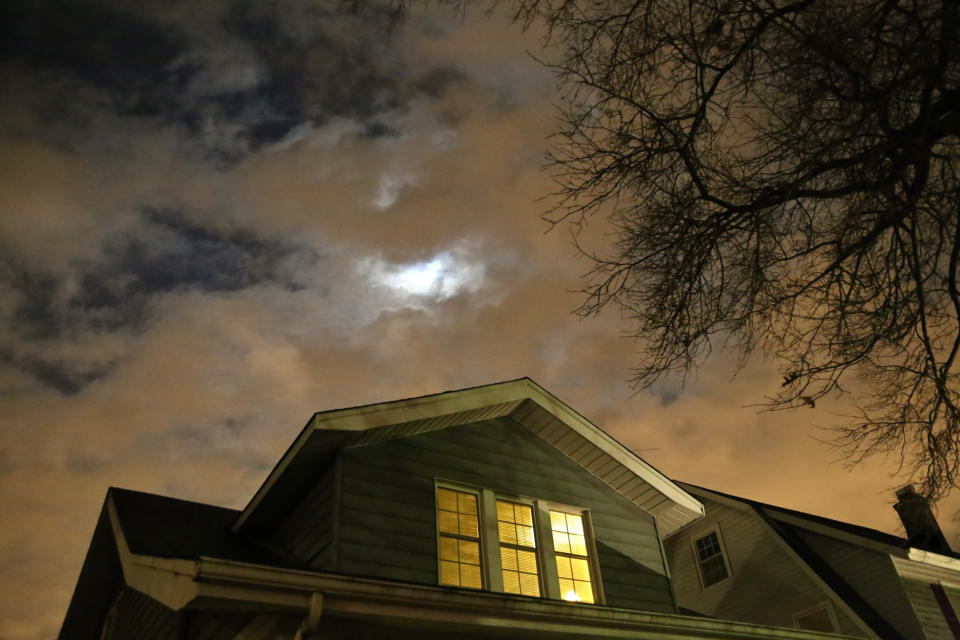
{"x":217,"y":217}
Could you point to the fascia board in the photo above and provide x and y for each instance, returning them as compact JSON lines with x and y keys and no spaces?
{"x":347,"y":596}
{"x":166,"y":580}
{"x":934,"y":559}
{"x":465,"y":400}
{"x":612,"y":448}
{"x":832,"y":532}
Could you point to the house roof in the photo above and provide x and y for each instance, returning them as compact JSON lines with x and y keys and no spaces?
{"x":791,"y":526}
{"x":837,"y":525}
{"x":522,"y":400}
{"x":166,"y":527}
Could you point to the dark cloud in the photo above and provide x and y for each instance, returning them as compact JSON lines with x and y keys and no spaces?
{"x":67,"y":378}
{"x":167,"y":254}
{"x":250,"y":76}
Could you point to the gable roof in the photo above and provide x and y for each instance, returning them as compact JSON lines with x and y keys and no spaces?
{"x":820,"y":523}
{"x":523,"y":400}
{"x":793,"y":528}
{"x":164,"y":527}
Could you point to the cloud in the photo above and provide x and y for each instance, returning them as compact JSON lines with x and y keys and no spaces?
{"x":415,"y":284}
{"x":230,"y":77}
{"x":166,"y":254}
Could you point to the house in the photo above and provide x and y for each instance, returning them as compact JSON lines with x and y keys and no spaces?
{"x":754,"y":562}
{"x":494,"y":511}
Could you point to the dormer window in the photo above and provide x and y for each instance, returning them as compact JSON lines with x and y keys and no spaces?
{"x":711,"y":562}
{"x":459,"y":538}
{"x":514,"y":545}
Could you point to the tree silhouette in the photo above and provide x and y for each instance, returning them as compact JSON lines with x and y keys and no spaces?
{"x":782,"y":176}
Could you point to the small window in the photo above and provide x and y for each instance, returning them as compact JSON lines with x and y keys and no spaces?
{"x":819,"y":618}
{"x":573,"y":560}
{"x":710,"y":560}
{"x":459,"y":538}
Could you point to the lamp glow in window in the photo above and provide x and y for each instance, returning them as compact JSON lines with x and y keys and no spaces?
{"x":459,"y":530}
{"x":573,"y":559}
{"x":518,"y":556}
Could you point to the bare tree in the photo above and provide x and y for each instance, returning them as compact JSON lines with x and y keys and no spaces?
{"x":782,"y":176}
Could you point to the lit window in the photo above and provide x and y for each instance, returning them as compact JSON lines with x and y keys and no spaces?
{"x":458,"y":525}
{"x":713,"y":567}
{"x":518,"y":556}
{"x":510,"y":545}
{"x":573,"y":561}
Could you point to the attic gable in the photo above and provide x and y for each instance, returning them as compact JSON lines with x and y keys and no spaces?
{"x":528,"y":404}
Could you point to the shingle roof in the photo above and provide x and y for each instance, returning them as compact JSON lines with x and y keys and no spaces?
{"x":173,"y":528}
{"x":857,"y":530}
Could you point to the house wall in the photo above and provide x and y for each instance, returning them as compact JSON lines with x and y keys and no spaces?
{"x":309,"y":530}
{"x":872,"y":574}
{"x":767,"y":585}
{"x":916,"y":579}
{"x":387,"y":520}
{"x":136,"y":615}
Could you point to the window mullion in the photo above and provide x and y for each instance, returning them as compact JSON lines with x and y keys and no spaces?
{"x":490,"y":540}
{"x":548,"y":563}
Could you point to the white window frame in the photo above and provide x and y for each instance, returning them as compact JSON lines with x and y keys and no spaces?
{"x":831,"y":613}
{"x":491,"y":570}
{"x":715,"y":528}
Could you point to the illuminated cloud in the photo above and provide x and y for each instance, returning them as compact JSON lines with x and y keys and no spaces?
{"x":446,"y":274}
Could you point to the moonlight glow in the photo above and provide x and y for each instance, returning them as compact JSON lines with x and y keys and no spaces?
{"x":443,"y":276}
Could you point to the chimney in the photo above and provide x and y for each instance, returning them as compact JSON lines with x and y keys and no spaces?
{"x":923,"y":532}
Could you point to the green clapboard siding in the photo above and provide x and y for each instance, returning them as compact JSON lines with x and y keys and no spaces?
{"x":138,"y":616}
{"x":387,"y":523}
{"x":308,"y":531}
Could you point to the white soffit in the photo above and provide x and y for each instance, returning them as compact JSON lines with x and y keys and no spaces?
{"x":539,"y":411}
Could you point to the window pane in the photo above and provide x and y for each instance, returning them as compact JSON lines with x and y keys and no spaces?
{"x":468,"y":526}
{"x":511,"y":582}
{"x":470,"y":576}
{"x":574,"y":524}
{"x":818,"y":620}
{"x":469,"y":552}
{"x":558,"y":521}
{"x":714,"y":570}
{"x":563,"y":567}
{"x":449,"y":573}
{"x":466,"y":502}
{"x":581,"y":570}
{"x":447,"y":499}
{"x":529,"y":584}
{"x":578,"y":545}
{"x":508,"y":532}
{"x":505,"y":511}
{"x":524,"y":514}
{"x":527,"y":561}
{"x":567,"y":592}
{"x":508,"y":559}
{"x":447,"y":522}
{"x":561,"y":542}
{"x":525,"y":536}
{"x":584,"y":591}
{"x":448,"y":548}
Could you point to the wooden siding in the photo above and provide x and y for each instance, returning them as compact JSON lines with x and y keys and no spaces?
{"x":872,"y":574}
{"x":309,"y":530}
{"x":916,"y":578}
{"x":135,"y":615}
{"x":388,"y":522}
{"x":767,"y":585}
